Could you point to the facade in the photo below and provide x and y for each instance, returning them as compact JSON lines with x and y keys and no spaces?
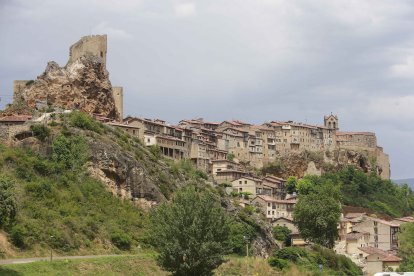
{"x":275,"y":208}
{"x":251,"y":185}
{"x":377,"y":260}
{"x":355,"y":240}
{"x":95,"y":45}
{"x":382,"y":233}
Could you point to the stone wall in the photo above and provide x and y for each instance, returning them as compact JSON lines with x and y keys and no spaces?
{"x":8,"y":132}
{"x":89,"y":45}
{"x":118,"y":94}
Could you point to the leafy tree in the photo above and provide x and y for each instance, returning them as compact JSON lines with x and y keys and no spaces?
{"x":190,"y":233}
{"x":282,"y":233}
{"x":8,"y":204}
{"x":70,"y":151}
{"x":230,"y":156}
{"x":317,"y":214}
{"x":291,"y":184}
{"x":406,"y":249}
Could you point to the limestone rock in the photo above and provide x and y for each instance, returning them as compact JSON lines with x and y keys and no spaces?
{"x":83,"y":84}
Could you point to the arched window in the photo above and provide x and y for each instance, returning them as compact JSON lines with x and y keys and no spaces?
{"x":334,"y":124}
{"x":329,"y":124}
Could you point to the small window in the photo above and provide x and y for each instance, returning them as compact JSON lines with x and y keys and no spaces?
{"x":101,"y":54}
{"x":245,"y":182}
{"x":240,"y":182}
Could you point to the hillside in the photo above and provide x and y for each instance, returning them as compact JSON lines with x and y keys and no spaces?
{"x":408,"y":181}
{"x":80,"y":187}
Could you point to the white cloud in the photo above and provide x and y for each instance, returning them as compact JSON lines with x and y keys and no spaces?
{"x":392,"y":109}
{"x":405,"y":69}
{"x":104,"y":28}
{"x":185,"y":9}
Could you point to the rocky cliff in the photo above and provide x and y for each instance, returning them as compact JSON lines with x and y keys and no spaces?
{"x":83,"y":84}
{"x":304,"y":163}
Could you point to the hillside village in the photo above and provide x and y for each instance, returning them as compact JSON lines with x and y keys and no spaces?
{"x":228,"y":151}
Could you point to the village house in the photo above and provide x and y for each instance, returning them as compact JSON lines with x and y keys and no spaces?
{"x":274,"y":208}
{"x":377,"y":260}
{"x":348,"y":221}
{"x":223,"y":165}
{"x":14,"y":120}
{"x":382,"y":233}
{"x":228,"y":176}
{"x":251,"y":185}
{"x":277,"y":185}
{"x":355,"y":240}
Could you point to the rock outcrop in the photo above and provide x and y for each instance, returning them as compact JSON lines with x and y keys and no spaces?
{"x":316,"y":163}
{"x":83,"y":84}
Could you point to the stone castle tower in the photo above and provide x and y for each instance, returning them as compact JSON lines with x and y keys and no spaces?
{"x":89,"y":45}
{"x":331,"y":122}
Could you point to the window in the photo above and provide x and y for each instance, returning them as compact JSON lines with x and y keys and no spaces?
{"x":268,"y":204}
{"x":245,"y":182}
{"x":273,"y":212}
{"x":240,"y":182}
{"x":268,"y":212}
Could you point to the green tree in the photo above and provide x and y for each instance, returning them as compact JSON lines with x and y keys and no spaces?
{"x":317,"y":214}
{"x":8,"y":204}
{"x":230,"y":156}
{"x":291,"y":184}
{"x":70,"y":151}
{"x":282,"y":233}
{"x":190,"y":233}
{"x":406,"y":249}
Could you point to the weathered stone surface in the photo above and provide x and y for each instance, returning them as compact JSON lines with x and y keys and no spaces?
{"x":83,"y":84}
{"x":123,"y":175}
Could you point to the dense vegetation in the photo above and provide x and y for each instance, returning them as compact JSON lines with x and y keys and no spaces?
{"x":59,"y":205}
{"x":314,"y":260}
{"x":406,"y":249}
{"x":368,"y":191}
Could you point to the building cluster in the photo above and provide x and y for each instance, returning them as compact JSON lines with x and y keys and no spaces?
{"x":371,"y":242}
{"x":209,"y":144}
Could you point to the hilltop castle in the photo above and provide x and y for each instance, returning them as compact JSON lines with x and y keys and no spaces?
{"x":82,"y":84}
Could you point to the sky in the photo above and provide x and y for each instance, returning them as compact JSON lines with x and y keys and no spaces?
{"x":252,"y":60}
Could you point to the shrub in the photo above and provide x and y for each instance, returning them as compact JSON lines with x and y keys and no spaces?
{"x":278,"y":263}
{"x":40,"y":131}
{"x":8,"y":203}
{"x":84,"y":121}
{"x":17,"y":236}
{"x":121,"y":240}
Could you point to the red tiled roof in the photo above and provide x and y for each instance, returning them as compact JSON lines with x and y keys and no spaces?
{"x":391,"y":258}
{"x":16,"y":118}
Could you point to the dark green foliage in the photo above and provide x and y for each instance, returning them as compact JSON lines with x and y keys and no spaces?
{"x":84,"y":121}
{"x":8,"y":204}
{"x":121,"y":240}
{"x":17,"y":236}
{"x":282,"y":233}
{"x":317,"y":212}
{"x":310,"y":259}
{"x":230,"y":156}
{"x":190,"y":233}
{"x":291,"y":184}
{"x":40,"y":131}
{"x":275,"y":168}
{"x":406,"y":249}
{"x":70,"y":151}
{"x":369,"y":191}
{"x":156,"y":151}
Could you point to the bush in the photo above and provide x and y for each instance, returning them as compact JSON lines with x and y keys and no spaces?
{"x":17,"y":236}
{"x":8,"y":203}
{"x":84,"y":121}
{"x":278,"y":263}
{"x":40,"y":131}
{"x":291,"y":253}
{"x":121,"y":240}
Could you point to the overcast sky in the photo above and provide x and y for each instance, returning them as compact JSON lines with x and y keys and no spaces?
{"x":256,"y":61}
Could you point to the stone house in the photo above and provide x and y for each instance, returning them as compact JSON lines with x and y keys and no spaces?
{"x":355,"y":240}
{"x":274,"y":208}
{"x":223,"y":165}
{"x":377,"y":260}
{"x":14,"y":120}
{"x":228,"y":175}
{"x":251,"y":185}
{"x":382,"y":233}
{"x":277,"y":184}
